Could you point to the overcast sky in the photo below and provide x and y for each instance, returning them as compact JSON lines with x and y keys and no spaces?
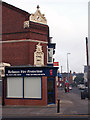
{"x":68,"y":24}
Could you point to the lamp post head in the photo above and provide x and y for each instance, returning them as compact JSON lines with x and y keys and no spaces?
{"x":68,"y":53}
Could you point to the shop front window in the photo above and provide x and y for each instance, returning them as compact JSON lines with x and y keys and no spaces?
{"x":32,"y":87}
{"x":14,"y":87}
{"x":27,"y":87}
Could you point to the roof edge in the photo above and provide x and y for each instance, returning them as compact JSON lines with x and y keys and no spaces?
{"x":15,"y":8}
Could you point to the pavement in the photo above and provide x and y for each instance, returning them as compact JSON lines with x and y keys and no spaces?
{"x":26,"y":112}
{"x":68,"y":108}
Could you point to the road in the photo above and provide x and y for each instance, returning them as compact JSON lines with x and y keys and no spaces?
{"x":71,"y":103}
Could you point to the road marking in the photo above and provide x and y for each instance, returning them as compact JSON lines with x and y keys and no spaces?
{"x":66,"y":101}
{"x":74,"y":115}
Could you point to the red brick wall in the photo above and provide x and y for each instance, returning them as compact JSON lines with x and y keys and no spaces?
{"x":12,"y":29}
{"x":25,"y":35}
{"x":15,"y":53}
{"x":44,"y":90}
{"x":38,"y":33}
{"x":43,"y":101}
{"x":21,"y":53}
{"x":12,"y":19}
{"x":13,"y":25}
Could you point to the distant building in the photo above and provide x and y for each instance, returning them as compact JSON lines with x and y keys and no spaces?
{"x":65,"y":76}
{"x":72,"y":77}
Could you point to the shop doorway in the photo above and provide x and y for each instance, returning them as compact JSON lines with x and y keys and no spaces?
{"x":51,"y":90}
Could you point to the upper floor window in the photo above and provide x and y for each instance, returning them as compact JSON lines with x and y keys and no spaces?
{"x":50,"y":56}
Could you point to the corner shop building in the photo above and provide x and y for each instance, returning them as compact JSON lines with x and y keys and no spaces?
{"x":29,"y":80}
{"x":30,"y":86}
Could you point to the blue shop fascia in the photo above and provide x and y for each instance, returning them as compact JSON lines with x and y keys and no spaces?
{"x":27,"y":71}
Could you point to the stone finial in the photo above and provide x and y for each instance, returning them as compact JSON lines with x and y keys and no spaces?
{"x":38,"y":17}
{"x":38,"y":7}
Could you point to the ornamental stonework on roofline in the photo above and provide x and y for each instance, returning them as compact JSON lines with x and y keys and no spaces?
{"x":36,"y":17}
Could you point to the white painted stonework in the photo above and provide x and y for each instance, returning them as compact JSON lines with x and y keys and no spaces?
{"x":26,"y":24}
{"x":38,"y":56}
{"x":38,"y":17}
{"x":2,"y":68}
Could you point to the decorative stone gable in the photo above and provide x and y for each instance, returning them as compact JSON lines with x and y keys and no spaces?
{"x":38,"y":56}
{"x":38,"y":17}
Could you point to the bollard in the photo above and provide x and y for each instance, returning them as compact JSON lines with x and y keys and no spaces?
{"x":58,"y":106}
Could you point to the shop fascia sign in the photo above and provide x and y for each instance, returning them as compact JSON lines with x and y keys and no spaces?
{"x":25,"y":73}
{"x":30,"y":72}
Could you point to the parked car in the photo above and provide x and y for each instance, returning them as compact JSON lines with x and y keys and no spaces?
{"x":81,"y":86}
{"x":78,"y":85}
{"x":84,"y":94}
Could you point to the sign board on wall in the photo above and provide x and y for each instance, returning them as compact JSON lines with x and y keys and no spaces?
{"x":56,"y":64}
{"x":30,"y":71}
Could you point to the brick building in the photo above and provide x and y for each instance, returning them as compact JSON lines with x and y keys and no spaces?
{"x":31,"y":79}
{"x":19,"y":42}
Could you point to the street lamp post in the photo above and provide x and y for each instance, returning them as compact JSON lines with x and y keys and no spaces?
{"x":68,"y":66}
